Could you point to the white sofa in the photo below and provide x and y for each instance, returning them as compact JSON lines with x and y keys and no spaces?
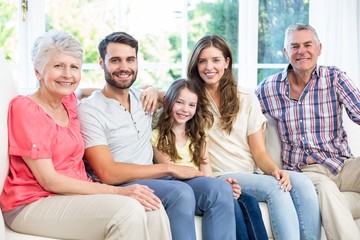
{"x":8,"y":91}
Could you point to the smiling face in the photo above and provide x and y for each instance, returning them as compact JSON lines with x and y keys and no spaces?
{"x":211,"y":66}
{"x":303,"y":50}
{"x":61,"y":74}
{"x":184,"y":107}
{"x":120,"y":65}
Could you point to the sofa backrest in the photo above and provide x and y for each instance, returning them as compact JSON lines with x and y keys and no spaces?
{"x":272,"y":141}
{"x":7,"y":92}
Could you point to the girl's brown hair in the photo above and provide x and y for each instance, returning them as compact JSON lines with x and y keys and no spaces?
{"x":194,"y":130}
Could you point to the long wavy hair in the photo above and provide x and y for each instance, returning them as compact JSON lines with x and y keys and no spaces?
{"x":229,"y":97}
{"x":194,"y":129}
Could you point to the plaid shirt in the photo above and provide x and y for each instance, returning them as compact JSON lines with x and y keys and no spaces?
{"x":312,"y":126}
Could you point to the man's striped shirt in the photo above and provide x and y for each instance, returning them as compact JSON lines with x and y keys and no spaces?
{"x":312,"y":126}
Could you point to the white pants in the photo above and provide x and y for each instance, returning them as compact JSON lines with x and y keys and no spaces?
{"x":336,"y":216}
{"x":101,"y":216}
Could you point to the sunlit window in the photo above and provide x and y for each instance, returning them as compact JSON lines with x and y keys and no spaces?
{"x":9,"y":33}
{"x":166,"y":30}
{"x":274,"y":17}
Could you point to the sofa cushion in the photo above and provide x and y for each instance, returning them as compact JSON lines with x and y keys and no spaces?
{"x":273,"y":141}
{"x":11,"y":235}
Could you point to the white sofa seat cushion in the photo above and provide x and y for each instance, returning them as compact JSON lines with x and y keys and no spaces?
{"x":11,"y":235}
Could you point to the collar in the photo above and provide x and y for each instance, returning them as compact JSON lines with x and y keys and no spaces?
{"x":284,"y":73}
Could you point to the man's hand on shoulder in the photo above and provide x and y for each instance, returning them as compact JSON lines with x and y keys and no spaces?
{"x":149,"y":99}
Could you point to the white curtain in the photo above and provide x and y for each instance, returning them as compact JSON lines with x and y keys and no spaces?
{"x":337,"y":23}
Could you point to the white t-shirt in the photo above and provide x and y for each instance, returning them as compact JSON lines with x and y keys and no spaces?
{"x":231,"y":153}
{"x":105,"y":122}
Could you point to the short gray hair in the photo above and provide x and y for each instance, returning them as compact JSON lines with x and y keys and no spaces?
{"x":299,"y":27}
{"x":54,"y":40}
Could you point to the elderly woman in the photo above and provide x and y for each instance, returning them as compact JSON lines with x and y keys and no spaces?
{"x":47,"y":191}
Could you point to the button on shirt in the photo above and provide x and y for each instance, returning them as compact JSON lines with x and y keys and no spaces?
{"x":311,"y":128}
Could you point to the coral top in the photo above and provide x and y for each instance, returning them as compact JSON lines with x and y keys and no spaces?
{"x":34,"y":134}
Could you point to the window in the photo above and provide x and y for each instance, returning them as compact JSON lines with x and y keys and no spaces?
{"x":9,"y":38}
{"x":166,"y":30}
{"x":274,"y":17}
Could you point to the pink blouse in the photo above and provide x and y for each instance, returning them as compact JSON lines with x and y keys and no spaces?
{"x":34,"y":134}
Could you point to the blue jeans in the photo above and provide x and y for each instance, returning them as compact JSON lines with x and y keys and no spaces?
{"x":299,"y":207}
{"x":249,"y":222}
{"x":208,"y":197}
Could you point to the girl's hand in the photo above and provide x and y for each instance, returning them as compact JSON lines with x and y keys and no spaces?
{"x":283,"y":178}
{"x":149,"y":99}
{"x":235,"y":187}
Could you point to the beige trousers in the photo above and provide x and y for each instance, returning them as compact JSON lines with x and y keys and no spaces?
{"x":336,"y":217}
{"x":92,"y":217}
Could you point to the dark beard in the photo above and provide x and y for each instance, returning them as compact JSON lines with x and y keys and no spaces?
{"x":112,"y":82}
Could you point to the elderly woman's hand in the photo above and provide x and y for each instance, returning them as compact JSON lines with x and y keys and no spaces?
{"x":149,"y":99}
{"x":143,"y":194}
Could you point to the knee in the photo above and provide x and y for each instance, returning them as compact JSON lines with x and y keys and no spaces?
{"x":272,"y":189}
{"x":220,"y":190}
{"x":130,"y":210}
{"x":181,"y":202}
{"x":182,"y":193}
{"x":158,"y":215}
{"x":221,"y":187}
{"x":300,"y":179}
{"x":327,"y":188}
{"x":303,"y":186}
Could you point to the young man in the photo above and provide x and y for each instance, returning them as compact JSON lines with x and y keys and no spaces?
{"x":117,"y":132}
{"x":307,"y":101}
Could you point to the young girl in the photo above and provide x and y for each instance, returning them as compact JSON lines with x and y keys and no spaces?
{"x":180,"y":138}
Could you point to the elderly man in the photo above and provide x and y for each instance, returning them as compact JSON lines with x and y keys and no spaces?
{"x":307,"y":101}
